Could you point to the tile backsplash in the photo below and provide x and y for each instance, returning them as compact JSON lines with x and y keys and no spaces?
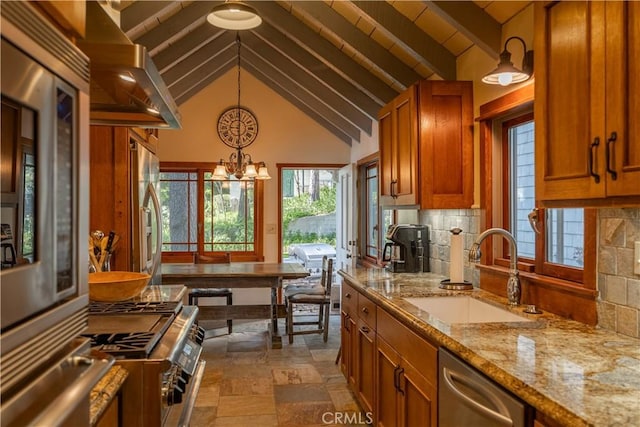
{"x":619,"y":301}
{"x":440,"y":222}
{"x":618,"y":229}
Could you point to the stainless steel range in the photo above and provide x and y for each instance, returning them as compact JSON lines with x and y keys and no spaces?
{"x":158,"y":343}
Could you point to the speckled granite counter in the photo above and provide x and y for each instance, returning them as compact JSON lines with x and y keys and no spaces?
{"x":575,"y":374}
{"x":103,"y":393}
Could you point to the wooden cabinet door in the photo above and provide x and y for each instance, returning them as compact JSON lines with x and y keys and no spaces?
{"x":365,"y":375}
{"x":387,"y":370}
{"x":446,"y":144}
{"x":398,"y":135}
{"x":623,"y":98}
{"x":348,"y":358}
{"x":419,"y":398}
{"x":569,"y":92}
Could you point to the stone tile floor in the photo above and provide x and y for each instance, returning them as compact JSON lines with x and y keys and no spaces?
{"x":246,"y":383}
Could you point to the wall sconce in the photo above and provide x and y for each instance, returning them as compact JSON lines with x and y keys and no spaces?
{"x":234,"y":15}
{"x":506,"y":74}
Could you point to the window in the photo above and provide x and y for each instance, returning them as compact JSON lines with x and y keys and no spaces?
{"x":372,"y":225}
{"x":373,"y":220}
{"x":200,"y":214}
{"x":557,"y":249}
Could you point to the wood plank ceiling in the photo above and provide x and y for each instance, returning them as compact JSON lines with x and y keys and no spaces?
{"x":337,"y":61}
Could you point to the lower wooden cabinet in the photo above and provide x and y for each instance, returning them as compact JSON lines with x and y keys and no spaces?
{"x":392,"y":371}
{"x":366,"y":368}
{"x":407,"y":372}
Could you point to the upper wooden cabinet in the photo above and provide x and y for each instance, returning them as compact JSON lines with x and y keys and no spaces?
{"x":587,"y":93}
{"x":398,"y":133}
{"x":446,"y":145}
{"x":426,"y":146}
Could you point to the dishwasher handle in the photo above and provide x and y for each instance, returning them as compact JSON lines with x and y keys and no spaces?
{"x":500,"y":417}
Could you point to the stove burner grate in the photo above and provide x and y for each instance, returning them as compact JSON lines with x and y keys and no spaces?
{"x":159,"y":307}
{"x":133,"y":345}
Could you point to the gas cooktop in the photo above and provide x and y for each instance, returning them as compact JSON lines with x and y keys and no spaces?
{"x":134,"y":307}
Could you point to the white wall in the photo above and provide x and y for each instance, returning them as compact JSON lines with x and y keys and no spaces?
{"x":286,"y":135}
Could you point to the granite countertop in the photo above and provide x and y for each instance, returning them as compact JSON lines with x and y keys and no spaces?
{"x":574,"y":373}
{"x":103,"y":393}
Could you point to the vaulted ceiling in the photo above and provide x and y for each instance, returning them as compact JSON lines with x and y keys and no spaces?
{"x":337,"y":61}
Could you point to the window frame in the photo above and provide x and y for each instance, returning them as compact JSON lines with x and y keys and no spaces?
{"x":538,"y":271}
{"x":257,"y":255}
{"x":363,"y":213}
{"x":539,"y":264}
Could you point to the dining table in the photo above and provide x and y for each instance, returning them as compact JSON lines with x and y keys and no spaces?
{"x":237,"y":275}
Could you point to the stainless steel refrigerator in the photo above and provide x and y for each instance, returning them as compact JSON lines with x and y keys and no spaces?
{"x":146,"y":212}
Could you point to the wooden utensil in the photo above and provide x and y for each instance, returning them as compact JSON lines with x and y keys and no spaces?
{"x":92,"y":255}
{"x":103,"y":251}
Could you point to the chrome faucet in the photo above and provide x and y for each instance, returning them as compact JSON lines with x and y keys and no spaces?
{"x":513,"y":284}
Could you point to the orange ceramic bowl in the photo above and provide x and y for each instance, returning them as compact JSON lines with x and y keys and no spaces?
{"x":116,"y":285}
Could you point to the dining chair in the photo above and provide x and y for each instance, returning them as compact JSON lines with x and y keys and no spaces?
{"x":196,"y":293}
{"x":6,"y":246}
{"x":313,"y":297}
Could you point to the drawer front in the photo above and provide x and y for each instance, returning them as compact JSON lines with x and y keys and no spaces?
{"x":367,"y":310}
{"x":349,"y":301}
{"x":414,"y":349}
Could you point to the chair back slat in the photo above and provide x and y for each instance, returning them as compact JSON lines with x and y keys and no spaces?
{"x":326,"y":278}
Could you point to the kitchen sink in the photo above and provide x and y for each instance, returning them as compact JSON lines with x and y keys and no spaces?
{"x":464,"y":309}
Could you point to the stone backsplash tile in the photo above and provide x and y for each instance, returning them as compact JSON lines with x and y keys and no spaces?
{"x":619,"y":304}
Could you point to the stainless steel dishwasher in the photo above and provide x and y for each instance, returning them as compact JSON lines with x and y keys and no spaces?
{"x":468,"y":398}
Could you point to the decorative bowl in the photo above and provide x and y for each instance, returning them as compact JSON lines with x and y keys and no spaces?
{"x":116,"y":285}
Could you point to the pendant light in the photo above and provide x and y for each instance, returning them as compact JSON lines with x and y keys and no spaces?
{"x":234,"y":15}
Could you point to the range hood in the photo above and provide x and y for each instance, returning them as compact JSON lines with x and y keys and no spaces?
{"x":126,"y":87}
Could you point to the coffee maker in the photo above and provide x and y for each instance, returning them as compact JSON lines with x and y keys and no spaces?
{"x":408,"y":249}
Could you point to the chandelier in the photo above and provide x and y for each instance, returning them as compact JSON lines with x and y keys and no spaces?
{"x":238,"y":128}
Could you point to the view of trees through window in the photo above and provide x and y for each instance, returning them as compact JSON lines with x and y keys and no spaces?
{"x":227,"y":210}
{"x":308,"y":207}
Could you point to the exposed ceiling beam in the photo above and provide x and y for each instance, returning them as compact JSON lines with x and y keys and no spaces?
{"x":182,"y":69}
{"x":196,"y":76}
{"x":197,"y":10}
{"x":139,"y":11}
{"x":408,"y":35}
{"x":314,"y":86}
{"x":183,"y":47}
{"x":379,"y":56}
{"x":260,"y":75}
{"x":184,"y":97}
{"x":472,"y":21}
{"x":329,"y":54}
{"x":301,"y":93}
{"x":316,"y":67}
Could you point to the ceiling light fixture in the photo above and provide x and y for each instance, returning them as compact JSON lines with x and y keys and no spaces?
{"x":506,"y":74}
{"x":234,"y":15}
{"x":238,"y":128}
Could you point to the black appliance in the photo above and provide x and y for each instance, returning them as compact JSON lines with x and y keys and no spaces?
{"x":408,"y":249}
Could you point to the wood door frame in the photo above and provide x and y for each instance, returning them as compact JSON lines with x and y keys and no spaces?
{"x":281,"y":167}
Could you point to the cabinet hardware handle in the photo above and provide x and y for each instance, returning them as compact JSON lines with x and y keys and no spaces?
{"x":594,"y":144}
{"x":610,"y":141}
{"x":396,"y":379}
{"x":365,"y":329}
{"x":365,"y":310}
{"x":393,"y":194}
{"x":347,"y":295}
{"x":400,"y":372}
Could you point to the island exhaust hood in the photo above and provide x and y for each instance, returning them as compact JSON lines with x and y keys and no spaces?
{"x":126,"y":87}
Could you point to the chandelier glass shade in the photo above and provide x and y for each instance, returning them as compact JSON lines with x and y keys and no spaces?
{"x":240,"y":163}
